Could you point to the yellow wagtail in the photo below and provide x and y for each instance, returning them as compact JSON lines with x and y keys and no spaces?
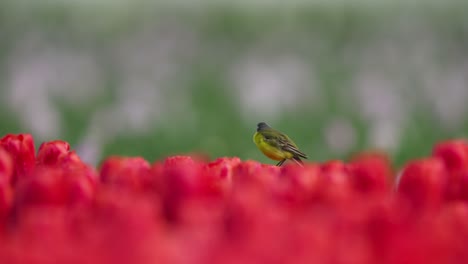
{"x":276,"y":145}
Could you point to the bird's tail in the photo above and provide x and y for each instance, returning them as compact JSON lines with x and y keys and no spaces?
{"x":298,"y":161}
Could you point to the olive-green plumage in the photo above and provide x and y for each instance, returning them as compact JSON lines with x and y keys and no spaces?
{"x":276,"y":145}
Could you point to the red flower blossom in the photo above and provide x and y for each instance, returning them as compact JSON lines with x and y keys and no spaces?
{"x":336,"y":171}
{"x":51,"y":152}
{"x":178,"y":178}
{"x":228,"y":210}
{"x":21,"y":148}
{"x":217,"y":175}
{"x":6,"y":201}
{"x":54,"y":186}
{"x":132,"y":173}
{"x":371,"y":172}
{"x":454,"y":153}
{"x":6,"y":190}
{"x":6,"y":167}
{"x":300,"y":184}
{"x":337,"y":183}
{"x":423,"y":182}
{"x":457,"y":186}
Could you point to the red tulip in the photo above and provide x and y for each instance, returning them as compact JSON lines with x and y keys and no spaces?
{"x":255,"y":174}
{"x":337,"y":184}
{"x":336,"y":171}
{"x":457,"y":186}
{"x":181,"y":176}
{"x":216,"y":176}
{"x":51,"y":152}
{"x":454,"y":153}
{"x":55,"y":186}
{"x":222,"y":167}
{"x":21,"y":148}
{"x":6,"y":167}
{"x":123,"y":229}
{"x":370,"y":172}
{"x":300,"y":184}
{"x":132,"y":173}
{"x":228,"y":210}
{"x":178,"y":178}
{"x":450,"y":232}
{"x":6,"y":201}
{"x":423,"y":182}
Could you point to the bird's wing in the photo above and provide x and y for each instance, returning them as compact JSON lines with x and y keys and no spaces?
{"x":271,"y":137}
{"x":279,"y":140}
{"x":289,"y":146}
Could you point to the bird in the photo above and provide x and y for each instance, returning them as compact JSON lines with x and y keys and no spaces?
{"x":277,"y":145}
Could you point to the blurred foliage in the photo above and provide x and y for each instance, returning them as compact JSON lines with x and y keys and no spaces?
{"x":220,"y":130}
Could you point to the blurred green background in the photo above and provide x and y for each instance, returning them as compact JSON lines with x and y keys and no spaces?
{"x":155,"y":79}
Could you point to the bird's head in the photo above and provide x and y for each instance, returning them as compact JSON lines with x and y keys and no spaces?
{"x":262,"y":126}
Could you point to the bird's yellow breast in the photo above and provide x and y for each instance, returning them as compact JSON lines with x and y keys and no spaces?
{"x":270,"y":151}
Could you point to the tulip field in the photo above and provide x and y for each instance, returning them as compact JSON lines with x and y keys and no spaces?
{"x":54,"y":208}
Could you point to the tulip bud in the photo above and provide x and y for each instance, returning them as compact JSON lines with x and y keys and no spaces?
{"x":21,"y":149}
{"x":51,"y":152}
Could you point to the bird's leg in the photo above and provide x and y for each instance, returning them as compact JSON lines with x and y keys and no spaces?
{"x":280,"y":163}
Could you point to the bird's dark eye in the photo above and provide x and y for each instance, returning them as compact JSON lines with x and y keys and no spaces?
{"x":267,"y":137}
